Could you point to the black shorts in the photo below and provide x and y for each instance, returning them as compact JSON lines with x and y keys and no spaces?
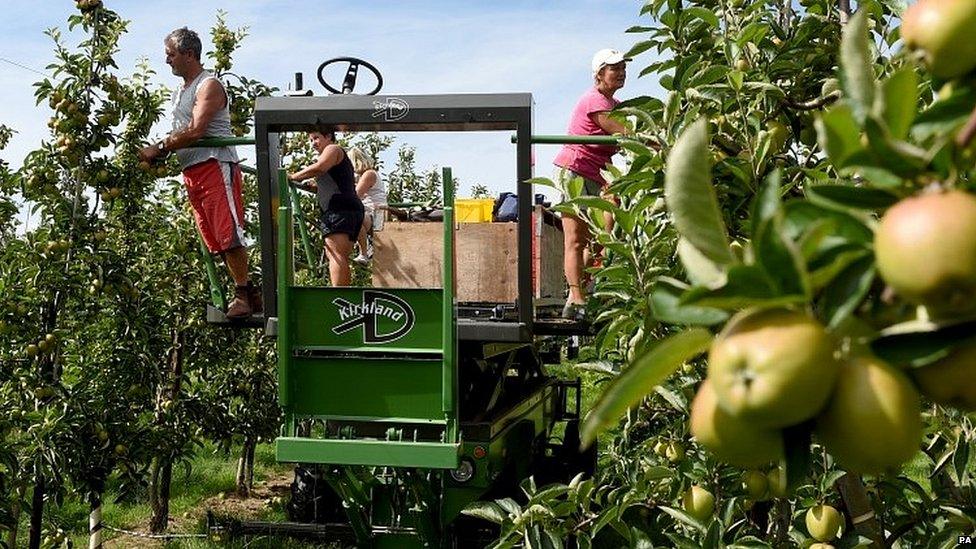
{"x":345,"y":221}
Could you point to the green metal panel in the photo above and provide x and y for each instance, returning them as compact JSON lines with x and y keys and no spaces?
{"x":367,"y":452}
{"x":365,"y":387}
{"x":381,"y":319}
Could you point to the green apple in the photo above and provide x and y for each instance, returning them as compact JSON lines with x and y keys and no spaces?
{"x":941,"y":30}
{"x":731,"y":440}
{"x":873,"y":422}
{"x":773,"y":367}
{"x":699,"y":503}
{"x":926,"y":251}
{"x":824,"y":522}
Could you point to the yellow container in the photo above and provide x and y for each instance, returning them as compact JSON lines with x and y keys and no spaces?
{"x":473,"y":210}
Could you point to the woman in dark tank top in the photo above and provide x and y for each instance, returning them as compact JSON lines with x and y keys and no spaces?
{"x":341,"y":211}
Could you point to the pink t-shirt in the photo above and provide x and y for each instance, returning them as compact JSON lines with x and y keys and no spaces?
{"x":587,"y":160}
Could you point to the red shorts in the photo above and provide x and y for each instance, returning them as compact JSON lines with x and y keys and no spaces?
{"x":214,"y":189}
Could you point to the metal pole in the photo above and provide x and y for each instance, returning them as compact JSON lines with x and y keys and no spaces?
{"x":302,"y":228}
{"x":285,"y":233}
{"x":220,"y":142}
{"x":448,"y":327}
{"x":216,"y":291}
{"x":573,"y":139}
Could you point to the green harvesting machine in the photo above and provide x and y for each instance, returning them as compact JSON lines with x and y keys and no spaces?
{"x":403,"y":405}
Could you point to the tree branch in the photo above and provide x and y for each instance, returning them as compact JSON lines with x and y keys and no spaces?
{"x":814,"y":104}
{"x":968,"y":131}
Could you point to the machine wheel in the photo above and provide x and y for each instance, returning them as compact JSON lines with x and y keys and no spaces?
{"x":301,"y":506}
{"x":312,"y":500}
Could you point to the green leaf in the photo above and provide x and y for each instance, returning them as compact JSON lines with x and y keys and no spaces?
{"x":898,"y":102}
{"x":639,"y":48}
{"x":849,"y":196}
{"x":543,"y":181}
{"x":857,"y":74}
{"x":596,"y":203}
{"x":641,"y":377}
{"x":802,"y":214}
{"x":918,"y":343}
{"x":533,"y":538}
{"x":846,"y":291}
{"x":960,"y":458}
{"x":691,"y":198}
{"x":838,"y":134}
{"x":745,"y":285}
{"x":684,"y":517}
{"x":736,"y":79}
{"x":509,"y":506}
{"x":898,"y":157}
{"x":666,"y":307}
{"x":705,"y":15}
{"x":798,"y":459}
{"x":947,"y":113}
{"x":749,"y":542}
{"x":700,"y":270}
{"x":774,"y":252}
{"x":485,"y":510}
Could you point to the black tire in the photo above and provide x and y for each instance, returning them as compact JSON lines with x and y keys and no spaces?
{"x":301,"y":506}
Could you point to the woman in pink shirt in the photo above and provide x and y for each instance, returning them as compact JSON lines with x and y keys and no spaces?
{"x":590,"y":117}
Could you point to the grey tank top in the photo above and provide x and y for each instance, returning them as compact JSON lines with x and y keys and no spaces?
{"x":219,"y":126}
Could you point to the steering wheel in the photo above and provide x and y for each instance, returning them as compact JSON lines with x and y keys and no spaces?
{"x":349,"y":82}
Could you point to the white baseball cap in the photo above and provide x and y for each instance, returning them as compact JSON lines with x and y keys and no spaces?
{"x":606,"y":56}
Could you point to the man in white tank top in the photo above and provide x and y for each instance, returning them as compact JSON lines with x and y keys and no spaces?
{"x":211,"y":174}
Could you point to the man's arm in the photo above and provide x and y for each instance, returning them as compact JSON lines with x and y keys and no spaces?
{"x":210,"y":99}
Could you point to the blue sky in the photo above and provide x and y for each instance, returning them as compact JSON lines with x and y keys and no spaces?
{"x":542,"y":47}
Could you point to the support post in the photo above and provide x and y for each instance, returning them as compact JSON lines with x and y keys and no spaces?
{"x":285,"y":281}
{"x":449,"y":334}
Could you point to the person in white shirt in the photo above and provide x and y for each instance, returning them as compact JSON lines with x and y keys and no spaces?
{"x":370,"y":189}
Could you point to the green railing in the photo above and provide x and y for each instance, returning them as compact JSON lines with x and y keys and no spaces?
{"x":573,"y":139}
{"x":222,"y":142}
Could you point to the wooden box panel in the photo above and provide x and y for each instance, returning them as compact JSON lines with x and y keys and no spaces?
{"x":408,"y":255}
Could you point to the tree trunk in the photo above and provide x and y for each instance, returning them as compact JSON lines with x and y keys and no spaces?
{"x":162,"y":475}
{"x":37,"y":511}
{"x":245,"y":468}
{"x":845,"y":11}
{"x":48,"y":374}
{"x":859,"y":510}
{"x":95,"y":522}
{"x":239,"y":477}
{"x":250,"y":466}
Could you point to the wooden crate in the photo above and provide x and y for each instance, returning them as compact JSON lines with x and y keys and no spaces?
{"x":408,"y":255}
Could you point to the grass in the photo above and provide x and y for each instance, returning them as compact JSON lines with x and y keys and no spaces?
{"x":208,"y":475}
